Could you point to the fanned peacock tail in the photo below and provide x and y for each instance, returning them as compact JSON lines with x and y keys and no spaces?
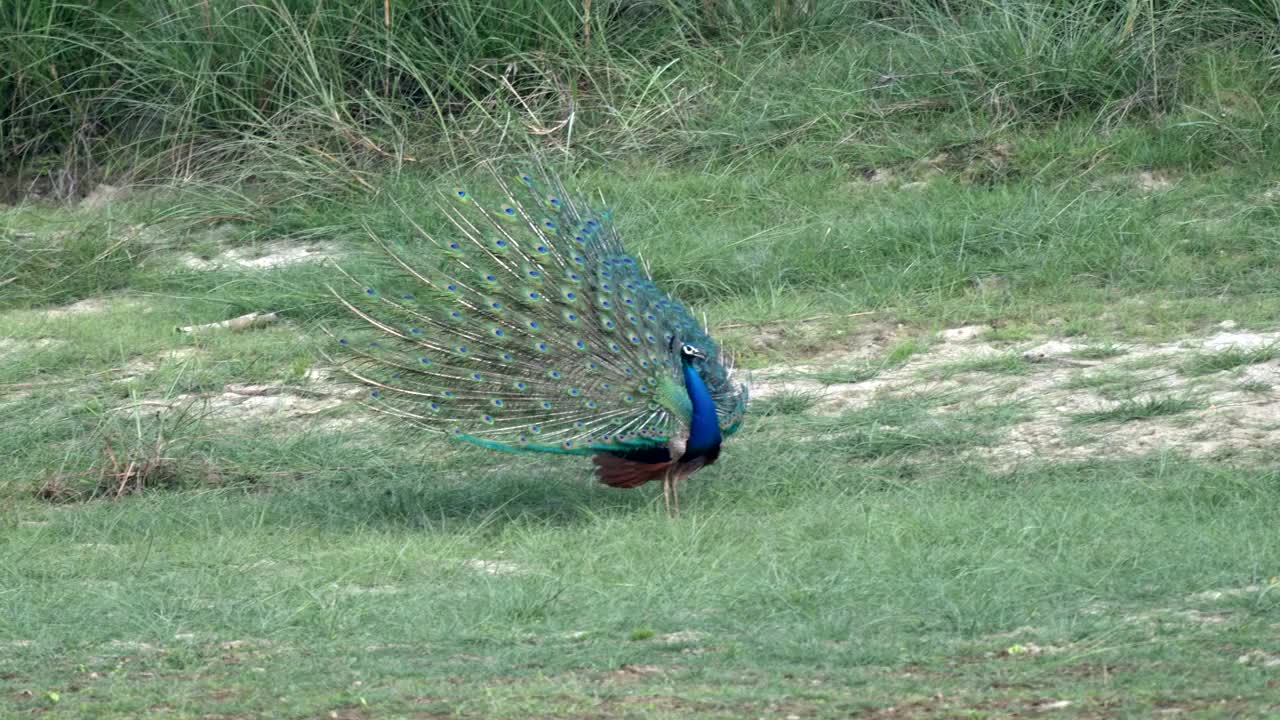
{"x":529,"y":328}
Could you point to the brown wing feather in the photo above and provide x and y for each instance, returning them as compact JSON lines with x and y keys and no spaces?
{"x":619,"y":473}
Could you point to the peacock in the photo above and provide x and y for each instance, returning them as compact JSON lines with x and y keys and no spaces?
{"x":528,"y":328}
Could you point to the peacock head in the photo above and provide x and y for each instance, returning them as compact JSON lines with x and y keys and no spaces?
{"x":689,"y":353}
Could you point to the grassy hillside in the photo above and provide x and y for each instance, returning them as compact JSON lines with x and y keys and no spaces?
{"x":160,"y":89}
{"x":1005,"y":273}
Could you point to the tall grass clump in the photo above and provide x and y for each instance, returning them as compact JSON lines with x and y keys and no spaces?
{"x":184,"y":85}
{"x":1050,"y":59}
{"x":327,"y":89}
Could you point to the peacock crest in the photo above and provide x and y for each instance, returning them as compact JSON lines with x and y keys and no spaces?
{"x":529,"y":328}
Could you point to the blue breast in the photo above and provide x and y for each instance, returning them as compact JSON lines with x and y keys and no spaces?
{"x":704,"y":427}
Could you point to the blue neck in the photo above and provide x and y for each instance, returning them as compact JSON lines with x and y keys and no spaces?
{"x":704,"y":427}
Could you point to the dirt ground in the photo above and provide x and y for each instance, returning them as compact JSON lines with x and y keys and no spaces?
{"x":1231,"y":412}
{"x":1235,"y":411}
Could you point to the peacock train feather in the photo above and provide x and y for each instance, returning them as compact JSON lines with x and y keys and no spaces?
{"x":529,"y":328}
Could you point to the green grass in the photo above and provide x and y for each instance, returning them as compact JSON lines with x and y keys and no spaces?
{"x":1115,"y":383}
{"x":852,"y":373}
{"x":902,"y":427}
{"x":1256,"y":386}
{"x":1131,"y":410}
{"x":1099,"y":352}
{"x":787,"y":402}
{"x":307,"y":97}
{"x":1003,"y":364}
{"x":828,"y":565}
{"x":1229,"y":359}
{"x":797,"y":579}
{"x":816,"y":178}
{"x":845,"y":374}
{"x":903,"y":351}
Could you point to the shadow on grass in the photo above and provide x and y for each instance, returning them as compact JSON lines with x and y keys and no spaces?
{"x":558,"y":496}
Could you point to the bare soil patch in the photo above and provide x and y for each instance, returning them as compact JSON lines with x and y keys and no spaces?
{"x":1235,"y":413}
{"x":263,"y":257}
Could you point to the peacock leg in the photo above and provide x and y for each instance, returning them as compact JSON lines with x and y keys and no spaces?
{"x":668,"y":489}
